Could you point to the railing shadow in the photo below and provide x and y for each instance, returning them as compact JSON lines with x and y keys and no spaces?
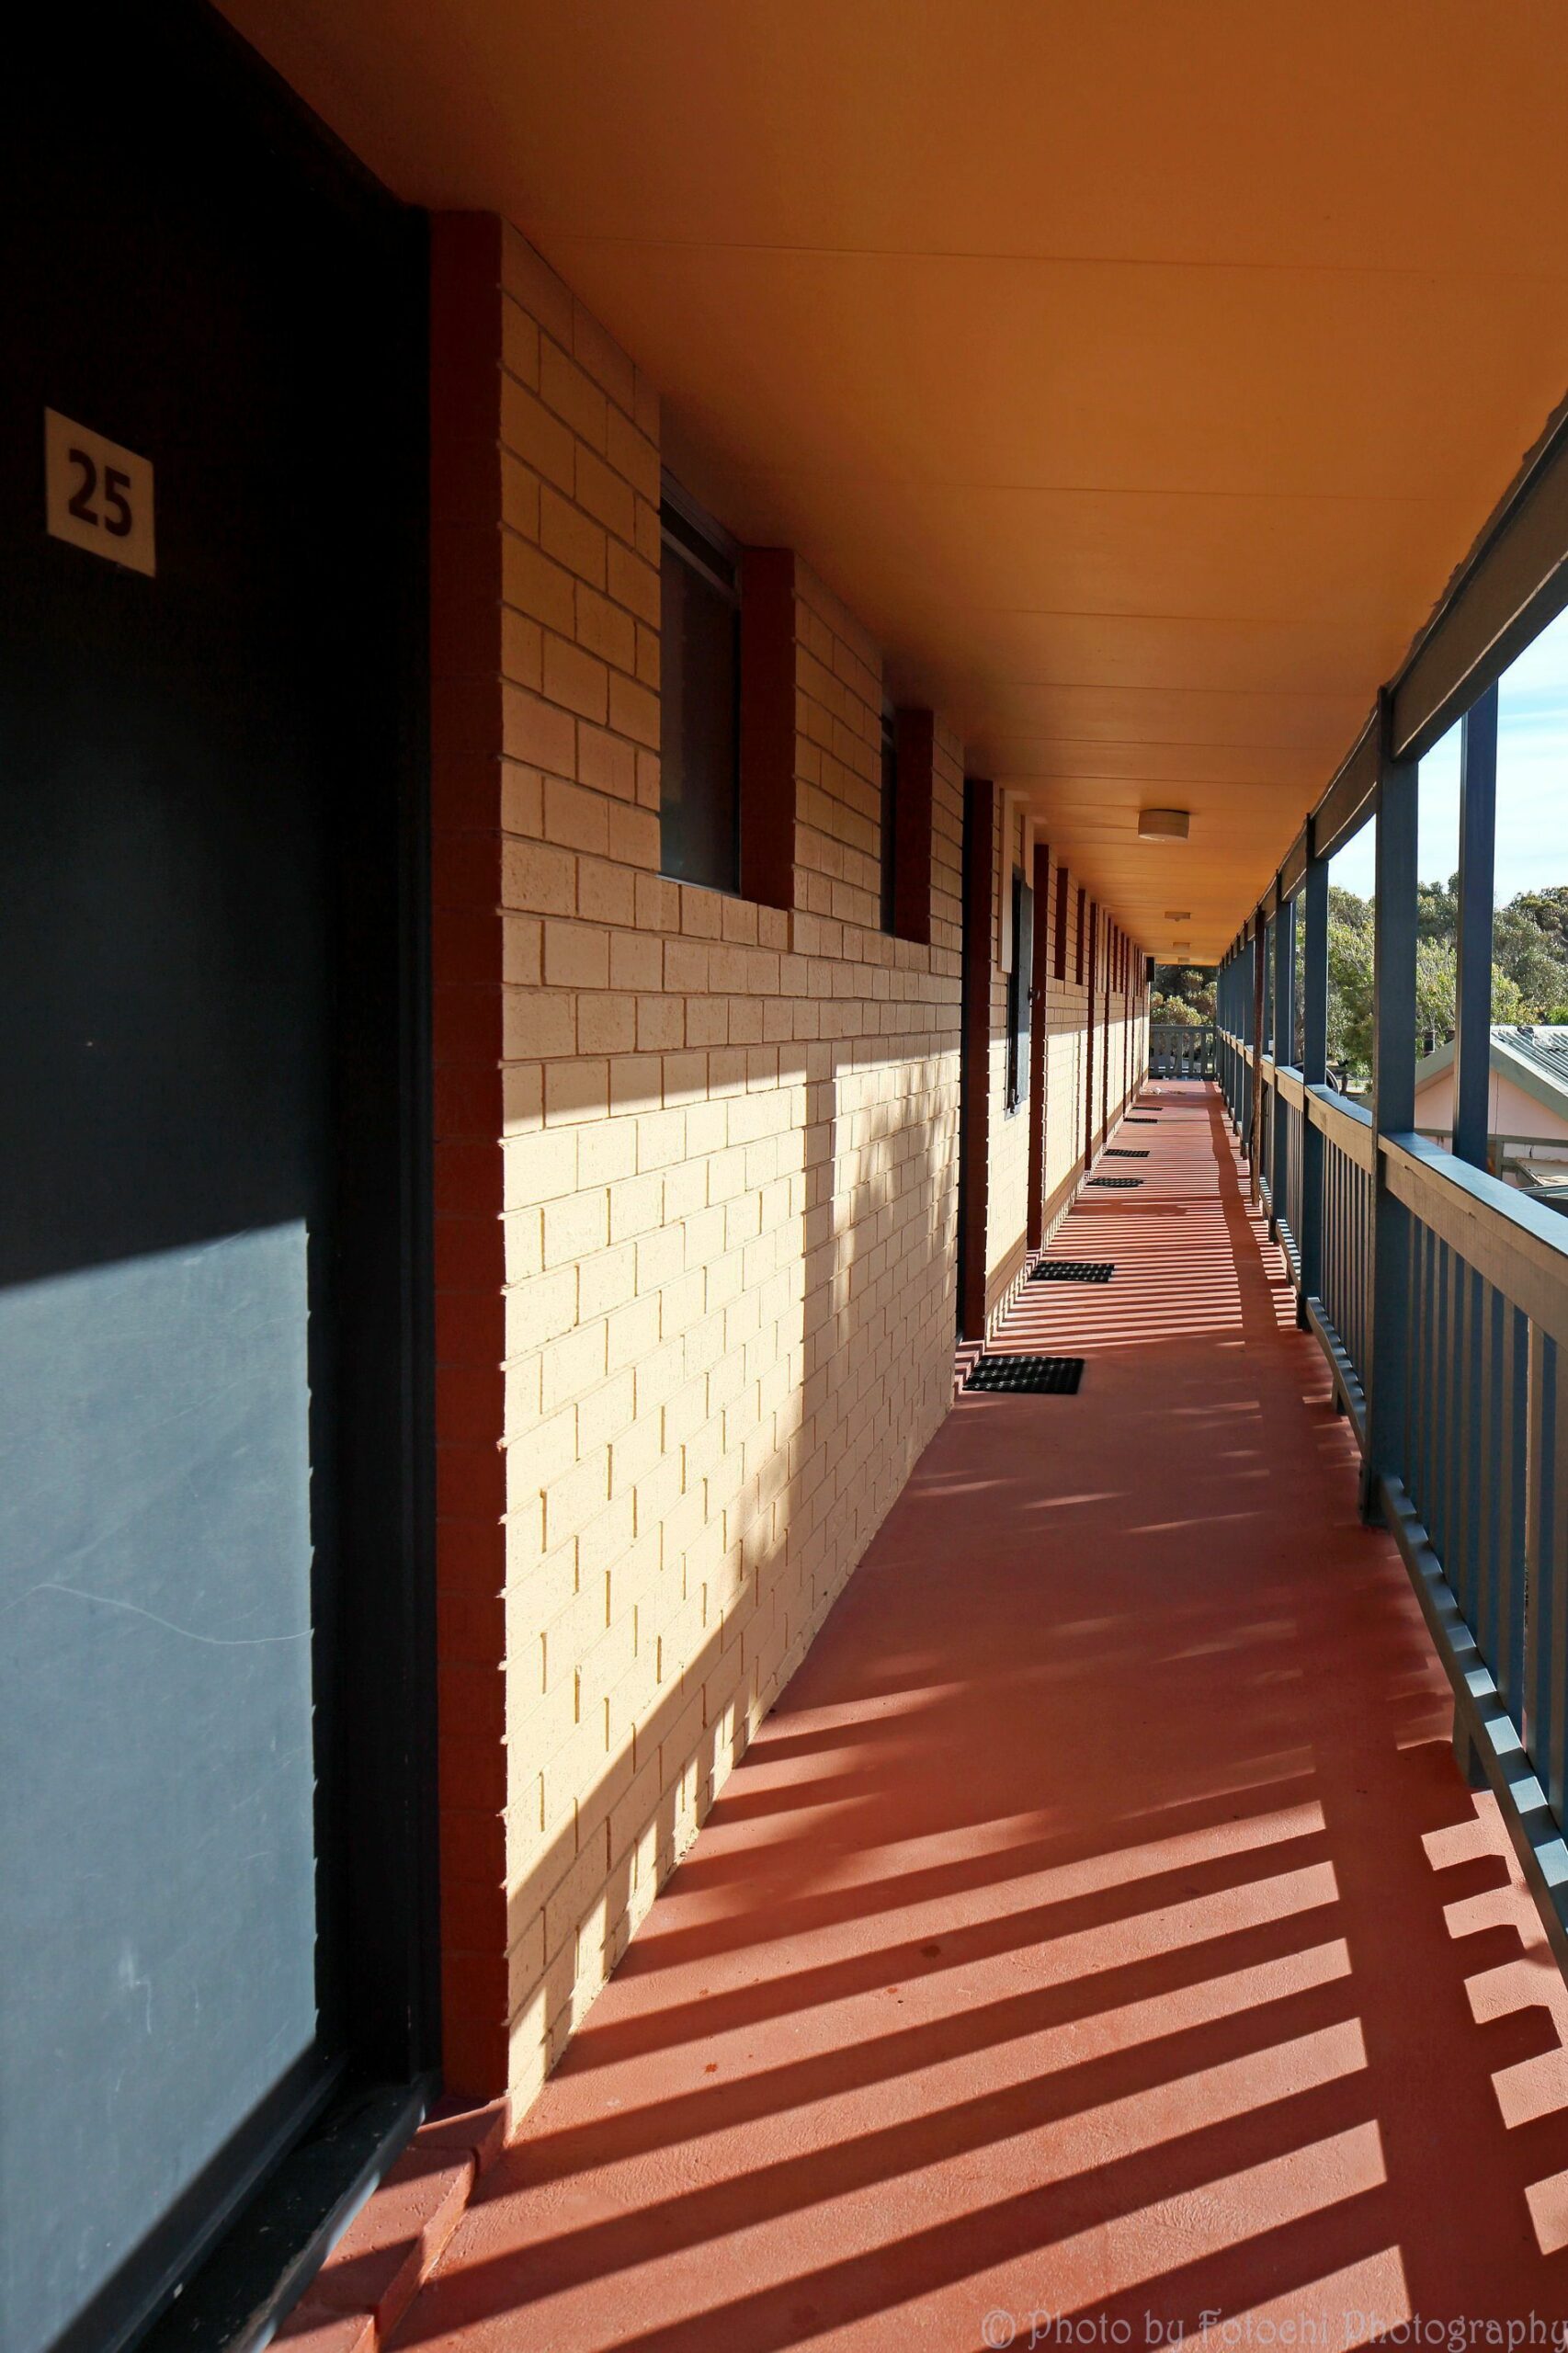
{"x":1098,"y":1932}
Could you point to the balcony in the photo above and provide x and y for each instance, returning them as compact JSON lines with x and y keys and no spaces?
{"x":634,"y":633}
{"x":1097,"y":1935}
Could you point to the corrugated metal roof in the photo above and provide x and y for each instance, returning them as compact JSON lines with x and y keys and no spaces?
{"x":1542,"y":1044}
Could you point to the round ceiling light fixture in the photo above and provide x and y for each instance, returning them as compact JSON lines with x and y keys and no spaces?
{"x":1163,"y":824}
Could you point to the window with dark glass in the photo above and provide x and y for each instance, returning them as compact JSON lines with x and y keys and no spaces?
{"x":890,"y":824}
{"x":1019,"y":990}
{"x":699,"y":806}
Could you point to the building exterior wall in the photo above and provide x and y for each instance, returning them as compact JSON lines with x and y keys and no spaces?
{"x":697,"y":1174}
{"x":702,"y":1220}
{"x":1008,"y":1190}
{"x":1510,"y":1111}
{"x":1066,"y":1005}
{"x":1062,"y":1070}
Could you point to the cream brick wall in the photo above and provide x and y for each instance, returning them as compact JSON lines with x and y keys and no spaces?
{"x":705,"y":1208}
{"x":1065,"y":1013}
{"x":838,"y":694}
{"x":730,"y":1189}
{"x":1064,"y":1075}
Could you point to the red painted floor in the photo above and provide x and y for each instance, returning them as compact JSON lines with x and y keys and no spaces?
{"x":1097,"y":1944}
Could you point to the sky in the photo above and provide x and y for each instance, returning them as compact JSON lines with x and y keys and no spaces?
{"x":1532,"y":785}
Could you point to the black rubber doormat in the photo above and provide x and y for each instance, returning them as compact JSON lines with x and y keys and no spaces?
{"x":1073,"y":1270}
{"x":1141,"y":1120}
{"x":1126,"y":1152}
{"x":1028,"y":1376}
{"x":1117,"y":1184}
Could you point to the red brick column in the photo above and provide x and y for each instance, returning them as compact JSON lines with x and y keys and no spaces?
{"x":975,"y":1086}
{"x":466,"y":951}
{"x":1039,"y":982}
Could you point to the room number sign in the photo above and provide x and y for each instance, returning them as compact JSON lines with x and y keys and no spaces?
{"x":98,"y":495}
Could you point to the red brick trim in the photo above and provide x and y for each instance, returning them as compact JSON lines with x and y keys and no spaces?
{"x":974,"y":1076}
{"x":466,"y":957}
{"x":1064,"y":881}
{"x":1105,"y":1035}
{"x":1038,"y":1029}
{"x":914,"y":744}
{"x":768,"y":726}
{"x":1088,"y":920}
{"x":394,"y":2243}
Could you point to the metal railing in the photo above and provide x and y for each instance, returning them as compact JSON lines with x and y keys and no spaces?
{"x":1340,"y":1308}
{"x":1480,"y":1361}
{"x":1524,"y":1161}
{"x":1345,"y":1279}
{"x":1486,"y":1420}
{"x":1178,"y":1049}
{"x":1440,"y":1291}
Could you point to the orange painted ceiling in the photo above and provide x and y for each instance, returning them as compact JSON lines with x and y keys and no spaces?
{"x":1138,"y":370}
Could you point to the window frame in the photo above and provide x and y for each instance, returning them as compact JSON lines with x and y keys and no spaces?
{"x":700,"y":541}
{"x":1020,"y":991}
{"x":888,"y":844}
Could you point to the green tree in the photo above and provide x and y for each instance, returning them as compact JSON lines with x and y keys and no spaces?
{"x":1352,"y":933}
{"x":1437,"y":995}
{"x":1547,"y":910}
{"x":1438,"y":910}
{"x":1193,"y":984}
{"x":1529,"y":954}
{"x":1436,"y":973}
{"x":1529,"y":966}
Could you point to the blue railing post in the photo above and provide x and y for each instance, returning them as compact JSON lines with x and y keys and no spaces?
{"x":1315,"y":1067}
{"x":1254,"y":1091}
{"x":1393,"y":1113}
{"x":1243,"y":1048}
{"x":1235,"y":1050}
{"x":1238,"y":1026}
{"x":1250,"y":969}
{"x":1478,"y":833}
{"x":1284,"y":1045}
{"x":1266,"y":1045}
{"x":1238,"y":1031}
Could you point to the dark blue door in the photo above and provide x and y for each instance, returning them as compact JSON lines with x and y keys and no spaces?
{"x":199,"y":954}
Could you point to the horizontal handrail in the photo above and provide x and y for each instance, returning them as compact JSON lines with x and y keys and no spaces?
{"x":1183,"y":1050}
{"x":1347,"y":1126}
{"x":1341,"y":1106}
{"x":1509,"y":1240}
{"x":1437,"y":1291}
{"x":1516,"y":1782}
{"x":1499,"y":1142}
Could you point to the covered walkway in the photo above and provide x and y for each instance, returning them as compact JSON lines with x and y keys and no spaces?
{"x":1098,"y":1927}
